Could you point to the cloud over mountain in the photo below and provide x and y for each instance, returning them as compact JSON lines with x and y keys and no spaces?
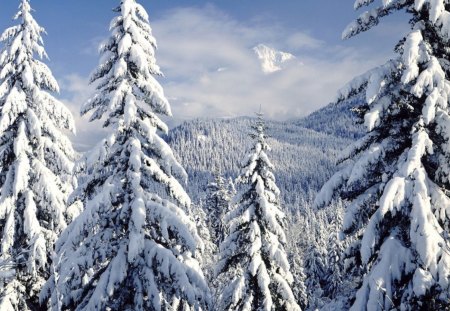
{"x":271,"y":59}
{"x":211,"y":69}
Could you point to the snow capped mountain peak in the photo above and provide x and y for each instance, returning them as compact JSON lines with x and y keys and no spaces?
{"x":271,"y":59}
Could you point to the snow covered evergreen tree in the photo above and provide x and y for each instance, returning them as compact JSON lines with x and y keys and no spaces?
{"x":334,"y":277}
{"x":397,"y":177}
{"x":253,"y":254}
{"x":36,"y":162}
{"x":298,"y":286}
{"x":134,"y":247}
{"x":217,"y":205}
{"x":315,"y":270}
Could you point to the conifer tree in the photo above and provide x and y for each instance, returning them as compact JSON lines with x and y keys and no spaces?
{"x":397,"y":176}
{"x":315,"y":270}
{"x":36,"y":162}
{"x":134,"y":247}
{"x":217,"y":205}
{"x":335,"y":267}
{"x":298,"y":286}
{"x":253,"y":254}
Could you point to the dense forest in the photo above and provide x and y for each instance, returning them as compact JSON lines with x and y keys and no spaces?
{"x":345,"y":209}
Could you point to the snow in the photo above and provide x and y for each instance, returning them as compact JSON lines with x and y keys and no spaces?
{"x":271,"y":59}
{"x":376,"y":291}
{"x":328,"y":190}
{"x":256,"y":236}
{"x":422,"y":281}
{"x":413,"y":58}
{"x":202,"y":138}
{"x":37,"y":161}
{"x":372,"y":119}
{"x":135,"y":234}
{"x":397,"y":210}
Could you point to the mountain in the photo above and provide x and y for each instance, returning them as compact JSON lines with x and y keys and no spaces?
{"x":303,"y":151}
{"x":271,"y":59}
{"x":335,"y":119}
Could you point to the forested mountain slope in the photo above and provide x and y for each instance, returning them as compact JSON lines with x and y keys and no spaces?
{"x":303,"y":151}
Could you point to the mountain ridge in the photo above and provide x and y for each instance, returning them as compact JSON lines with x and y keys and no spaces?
{"x":304,"y":151}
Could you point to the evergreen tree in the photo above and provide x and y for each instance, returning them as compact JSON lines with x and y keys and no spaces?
{"x":397,"y":176}
{"x":315,"y":269}
{"x":133,"y":247}
{"x":298,"y":286}
{"x":217,"y":205}
{"x":253,"y":254}
{"x":335,"y":266}
{"x":36,"y":162}
{"x":335,"y":280}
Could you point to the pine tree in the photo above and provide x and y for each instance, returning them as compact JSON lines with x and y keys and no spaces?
{"x":134,"y":247}
{"x":315,"y":269}
{"x":298,"y":286}
{"x":397,"y":176}
{"x":253,"y":254}
{"x":335,"y":280}
{"x":36,"y":162}
{"x":217,"y":205}
{"x":335,"y":266}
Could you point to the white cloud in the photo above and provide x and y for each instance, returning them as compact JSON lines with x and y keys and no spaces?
{"x":194,"y":44}
{"x":76,"y":91}
{"x":301,"y":40}
{"x":211,"y":70}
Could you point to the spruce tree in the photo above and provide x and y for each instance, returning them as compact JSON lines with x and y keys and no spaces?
{"x":298,"y":286}
{"x":36,"y":162}
{"x":134,"y":246}
{"x":396,"y":177}
{"x":217,"y":205}
{"x":253,"y":255}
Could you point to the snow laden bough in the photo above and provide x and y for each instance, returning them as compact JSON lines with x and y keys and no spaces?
{"x":134,"y":247}
{"x":36,"y":162}
{"x":252,"y":257}
{"x":397,"y":177}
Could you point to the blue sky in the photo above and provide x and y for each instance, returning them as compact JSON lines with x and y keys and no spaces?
{"x":205,"y":51}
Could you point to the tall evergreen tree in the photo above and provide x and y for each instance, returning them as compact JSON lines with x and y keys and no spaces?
{"x":298,"y":286}
{"x":217,"y":205}
{"x":397,"y":177}
{"x":253,"y":254}
{"x":36,"y":162}
{"x":134,"y":246}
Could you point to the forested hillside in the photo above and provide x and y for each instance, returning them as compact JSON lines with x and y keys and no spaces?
{"x":303,"y":151}
{"x":304,"y":154}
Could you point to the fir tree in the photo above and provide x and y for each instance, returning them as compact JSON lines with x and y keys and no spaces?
{"x":217,"y":205}
{"x":298,"y":286}
{"x":253,"y":254}
{"x":315,"y":269}
{"x":334,"y":278}
{"x":134,"y":246}
{"x":397,"y":176}
{"x":36,"y":162}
